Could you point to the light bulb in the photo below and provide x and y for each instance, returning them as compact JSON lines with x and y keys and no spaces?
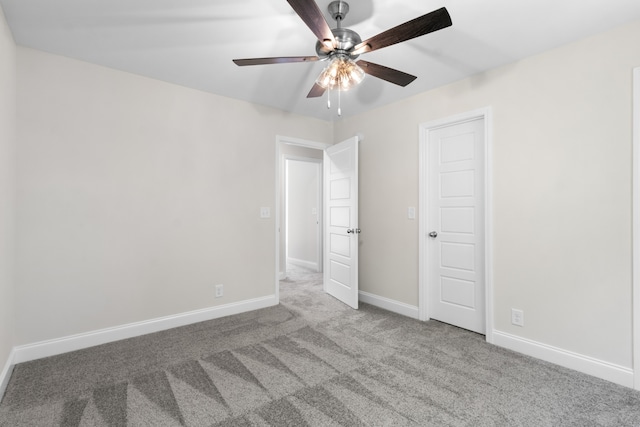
{"x":341,"y":72}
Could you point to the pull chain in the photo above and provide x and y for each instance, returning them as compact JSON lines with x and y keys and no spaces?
{"x":328,"y":99}
{"x":339,"y":21}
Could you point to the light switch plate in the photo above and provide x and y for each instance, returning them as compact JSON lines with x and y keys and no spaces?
{"x":411,"y":213}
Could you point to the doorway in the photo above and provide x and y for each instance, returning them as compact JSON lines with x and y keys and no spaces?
{"x":455,"y":284}
{"x":293,"y":150}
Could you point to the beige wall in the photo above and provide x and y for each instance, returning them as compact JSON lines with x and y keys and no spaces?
{"x":136,"y":197}
{"x":562,"y":191}
{"x":7,"y":206}
{"x":302,"y":197}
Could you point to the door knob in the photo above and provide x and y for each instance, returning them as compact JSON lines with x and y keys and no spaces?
{"x":433,"y":234}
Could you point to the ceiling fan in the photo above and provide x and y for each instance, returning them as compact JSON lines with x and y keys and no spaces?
{"x":341,"y":46}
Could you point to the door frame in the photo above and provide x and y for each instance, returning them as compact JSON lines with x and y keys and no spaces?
{"x":423,"y":209}
{"x":320,"y":213}
{"x":635,"y":188}
{"x":280,"y":142}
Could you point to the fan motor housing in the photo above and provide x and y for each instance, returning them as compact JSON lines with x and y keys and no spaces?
{"x":346,"y":39}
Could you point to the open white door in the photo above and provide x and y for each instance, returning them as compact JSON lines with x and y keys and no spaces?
{"x":341,"y":221}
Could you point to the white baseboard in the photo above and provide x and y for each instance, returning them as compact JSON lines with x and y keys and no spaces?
{"x":389,"y":304}
{"x":25,"y":353}
{"x":303,"y":263}
{"x":568,"y":359}
{"x":5,"y":375}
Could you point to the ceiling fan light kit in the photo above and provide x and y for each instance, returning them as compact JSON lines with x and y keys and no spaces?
{"x":342,"y":73}
{"x":341,"y":46}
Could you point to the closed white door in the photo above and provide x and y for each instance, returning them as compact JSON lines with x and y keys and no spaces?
{"x":341,"y":221}
{"x":455,"y":230}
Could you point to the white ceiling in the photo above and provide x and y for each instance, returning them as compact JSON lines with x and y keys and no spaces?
{"x":192,"y":42}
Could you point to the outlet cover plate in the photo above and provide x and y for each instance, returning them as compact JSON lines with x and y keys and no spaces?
{"x":517,"y":317}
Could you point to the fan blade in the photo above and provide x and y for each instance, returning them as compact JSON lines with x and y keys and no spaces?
{"x":425,"y":24}
{"x":310,"y":13}
{"x":386,"y":73}
{"x":276,"y":60}
{"x":316,"y":91}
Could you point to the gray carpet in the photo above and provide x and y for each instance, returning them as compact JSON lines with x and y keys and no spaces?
{"x":309,"y":361}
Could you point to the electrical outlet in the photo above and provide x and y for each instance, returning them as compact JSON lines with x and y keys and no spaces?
{"x":411,"y":212}
{"x":517,"y":317}
{"x":219,"y":291}
{"x":265,"y":213}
